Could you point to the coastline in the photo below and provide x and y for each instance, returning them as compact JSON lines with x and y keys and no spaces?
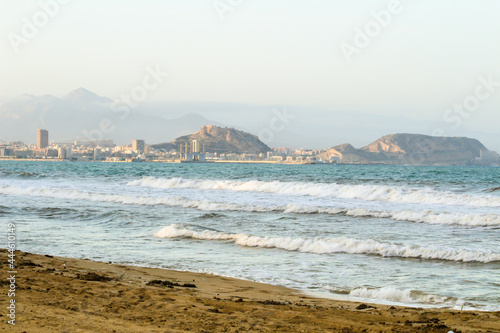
{"x":79,"y":295}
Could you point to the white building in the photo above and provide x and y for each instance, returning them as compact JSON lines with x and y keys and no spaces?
{"x":61,"y":153}
{"x":195,"y":146}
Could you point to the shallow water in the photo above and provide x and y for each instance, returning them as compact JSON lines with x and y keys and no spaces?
{"x":423,"y":236}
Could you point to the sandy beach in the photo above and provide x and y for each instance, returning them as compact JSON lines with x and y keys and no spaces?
{"x":56,"y":294}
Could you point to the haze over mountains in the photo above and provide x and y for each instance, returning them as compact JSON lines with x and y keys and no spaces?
{"x":82,"y":115}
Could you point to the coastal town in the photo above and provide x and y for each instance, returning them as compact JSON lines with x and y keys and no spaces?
{"x":213,"y":144}
{"x":138,"y":150}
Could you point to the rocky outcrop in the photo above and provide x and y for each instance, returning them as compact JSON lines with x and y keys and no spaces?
{"x":416,"y":149}
{"x":348,"y":154}
{"x":220,"y":140}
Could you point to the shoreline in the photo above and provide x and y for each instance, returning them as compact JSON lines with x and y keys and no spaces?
{"x":255,"y":162}
{"x":80,"y":295}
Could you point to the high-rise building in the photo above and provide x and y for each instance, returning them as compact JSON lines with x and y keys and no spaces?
{"x":61,"y":153}
{"x":139,"y":145}
{"x":68,"y":152}
{"x":195,"y":146}
{"x":42,"y":139}
{"x":97,"y":154}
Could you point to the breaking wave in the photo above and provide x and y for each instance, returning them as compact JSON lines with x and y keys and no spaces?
{"x":333,"y":245}
{"x":426,"y":216}
{"x":493,"y":189}
{"x":19,"y":174}
{"x":403,"y":296}
{"x":398,"y":194}
{"x":127,"y":199}
{"x":392,"y":294}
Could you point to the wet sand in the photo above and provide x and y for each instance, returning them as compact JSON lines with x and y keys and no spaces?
{"x":56,"y":294}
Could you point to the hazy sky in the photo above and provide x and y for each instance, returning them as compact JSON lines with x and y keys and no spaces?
{"x":419,"y":61}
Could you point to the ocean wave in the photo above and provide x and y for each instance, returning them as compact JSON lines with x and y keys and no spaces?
{"x":5,"y":173}
{"x":403,"y":296}
{"x":426,"y":216}
{"x":4,"y":210}
{"x":55,"y":212}
{"x":333,"y":245}
{"x":396,"y":295}
{"x":413,"y":298}
{"x":492,"y":190}
{"x":398,"y":194}
{"x":210,"y":216}
{"x":20,"y":174}
{"x":131,"y":199}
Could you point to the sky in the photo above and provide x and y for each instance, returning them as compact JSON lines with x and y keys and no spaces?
{"x":435,"y":62}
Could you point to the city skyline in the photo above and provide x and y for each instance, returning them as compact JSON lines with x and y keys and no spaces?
{"x":42,"y":141}
{"x":366,"y":69}
{"x":277,"y":126}
{"x":216,"y":144}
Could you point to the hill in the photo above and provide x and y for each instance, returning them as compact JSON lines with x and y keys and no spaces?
{"x":416,"y":149}
{"x":220,"y":140}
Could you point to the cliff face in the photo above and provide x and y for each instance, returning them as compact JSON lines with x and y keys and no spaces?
{"x":221,"y":140}
{"x":415,"y":149}
{"x":348,"y":154}
{"x":424,"y":149}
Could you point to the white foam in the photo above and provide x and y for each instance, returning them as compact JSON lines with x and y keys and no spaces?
{"x":333,"y":245}
{"x":398,"y":194}
{"x":126,"y":199}
{"x":206,"y":205}
{"x":445,"y":218}
{"x":401,"y":296}
{"x":408,"y":297}
{"x":425,"y":216}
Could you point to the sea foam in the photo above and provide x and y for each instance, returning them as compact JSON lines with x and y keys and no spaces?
{"x":403,"y":296}
{"x":391,"y":294}
{"x":425,"y":216}
{"x":398,"y":194}
{"x":333,"y":245}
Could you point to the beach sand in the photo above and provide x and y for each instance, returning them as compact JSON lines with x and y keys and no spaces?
{"x":56,"y":294}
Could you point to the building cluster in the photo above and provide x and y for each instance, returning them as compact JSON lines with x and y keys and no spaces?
{"x":106,"y":151}
{"x":92,"y":150}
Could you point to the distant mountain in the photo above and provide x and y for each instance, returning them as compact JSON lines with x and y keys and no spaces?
{"x":84,"y":96}
{"x":84,"y":115}
{"x":416,"y":149}
{"x":220,"y":140}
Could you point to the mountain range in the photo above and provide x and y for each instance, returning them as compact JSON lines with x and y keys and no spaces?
{"x":83,"y":115}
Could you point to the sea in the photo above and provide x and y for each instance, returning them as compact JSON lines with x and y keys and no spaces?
{"x":403,"y":235}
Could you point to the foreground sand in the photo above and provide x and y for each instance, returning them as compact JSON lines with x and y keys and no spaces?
{"x":68,"y":295}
